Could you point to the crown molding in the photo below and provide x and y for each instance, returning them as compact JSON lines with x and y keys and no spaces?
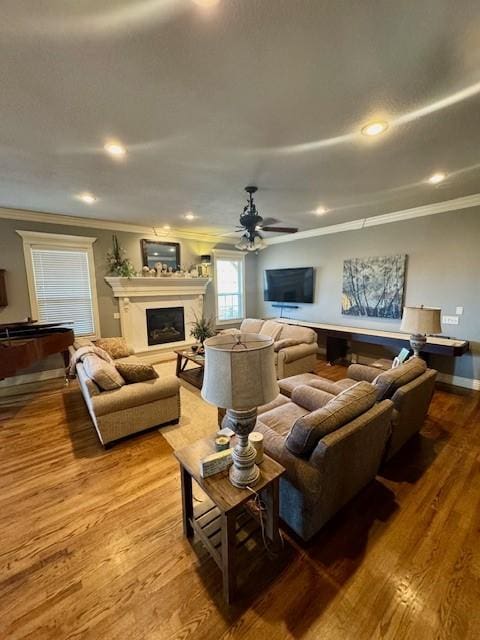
{"x":456,"y":204}
{"x":75,"y":221}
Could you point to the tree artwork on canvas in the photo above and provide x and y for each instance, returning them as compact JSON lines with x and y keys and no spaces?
{"x":374,"y":286}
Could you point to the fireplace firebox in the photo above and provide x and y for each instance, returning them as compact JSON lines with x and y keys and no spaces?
{"x":165,"y":325}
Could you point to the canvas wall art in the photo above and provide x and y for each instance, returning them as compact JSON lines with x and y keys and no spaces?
{"x":374,"y":286}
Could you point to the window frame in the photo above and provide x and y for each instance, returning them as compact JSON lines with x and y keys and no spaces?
{"x":238,"y":256}
{"x":39,"y":240}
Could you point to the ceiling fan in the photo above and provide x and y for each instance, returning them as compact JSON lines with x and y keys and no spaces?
{"x":251,"y":223}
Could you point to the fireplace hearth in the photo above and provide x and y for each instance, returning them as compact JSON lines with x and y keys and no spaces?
{"x":165,"y":325}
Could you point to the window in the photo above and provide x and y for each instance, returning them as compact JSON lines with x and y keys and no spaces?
{"x":61,"y":280}
{"x":229,"y":274}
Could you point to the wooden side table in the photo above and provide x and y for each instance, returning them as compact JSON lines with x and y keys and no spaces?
{"x":216,"y":524}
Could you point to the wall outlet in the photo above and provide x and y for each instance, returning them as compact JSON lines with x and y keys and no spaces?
{"x":116,"y":316}
{"x":449,"y":319}
{"x":459,"y":311}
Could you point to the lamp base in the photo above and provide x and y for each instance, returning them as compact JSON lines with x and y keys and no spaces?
{"x":244,"y":472}
{"x":417,"y":342}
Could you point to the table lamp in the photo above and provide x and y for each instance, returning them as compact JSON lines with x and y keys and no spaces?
{"x":419,"y":321}
{"x":239,"y":377}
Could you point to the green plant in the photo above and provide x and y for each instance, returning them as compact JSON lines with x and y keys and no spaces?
{"x":202,"y":328}
{"x":118,"y":265}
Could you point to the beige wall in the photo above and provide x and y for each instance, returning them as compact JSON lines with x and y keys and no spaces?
{"x":443,"y":270}
{"x":12,"y":259}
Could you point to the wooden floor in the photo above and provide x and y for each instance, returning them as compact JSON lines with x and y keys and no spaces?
{"x":91,"y":542}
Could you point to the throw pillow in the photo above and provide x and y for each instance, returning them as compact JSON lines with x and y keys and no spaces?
{"x":136,"y":372}
{"x":115,"y":347}
{"x":102,"y":373}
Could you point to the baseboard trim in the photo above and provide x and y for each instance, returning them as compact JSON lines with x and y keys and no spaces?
{"x":459,"y":381}
{"x":27,"y":378}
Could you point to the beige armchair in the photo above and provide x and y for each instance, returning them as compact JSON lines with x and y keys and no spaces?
{"x":295,"y":347}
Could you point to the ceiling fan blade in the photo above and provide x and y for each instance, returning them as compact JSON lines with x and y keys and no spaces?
{"x":280,"y":229}
{"x":268,"y":222}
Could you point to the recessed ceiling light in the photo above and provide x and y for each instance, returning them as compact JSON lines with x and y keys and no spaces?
{"x":319,"y":211}
{"x":189,"y":216}
{"x":166,"y":227}
{"x":87,"y":198}
{"x":436,"y":178}
{"x":115,"y":149}
{"x":206,"y":3}
{"x":374,"y":128}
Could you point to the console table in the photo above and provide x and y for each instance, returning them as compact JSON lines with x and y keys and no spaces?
{"x":338,"y":336}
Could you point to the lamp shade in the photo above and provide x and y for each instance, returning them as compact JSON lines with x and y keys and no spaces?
{"x":239,"y":371}
{"x":421,"y":320}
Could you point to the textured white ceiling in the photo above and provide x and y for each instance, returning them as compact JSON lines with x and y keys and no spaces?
{"x":265,"y":91}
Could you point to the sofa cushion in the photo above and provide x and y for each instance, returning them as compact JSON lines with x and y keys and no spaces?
{"x":284,"y":343}
{"x":270,"y":328}
{"x":281,"y":418}
{"x":310,"y":398}
{"x":135,"y":395}
{"x":116,"y":347}
{"x":135,"y":371}
{"x":287,"y":385}
{"x":251,"y":325}
{"x":389,"y":381}
{"x":326,"y":385}
{"x":302,"y":334}
{"x":309,"y":429}
{"x":279,"y":400}
{"x":103,"y":373}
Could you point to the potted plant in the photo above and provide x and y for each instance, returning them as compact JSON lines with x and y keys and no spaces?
{"x":202,"y":328}
{"x":118,"y":265}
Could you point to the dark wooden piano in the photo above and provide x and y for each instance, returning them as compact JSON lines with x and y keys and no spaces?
{"x":22,"y":344}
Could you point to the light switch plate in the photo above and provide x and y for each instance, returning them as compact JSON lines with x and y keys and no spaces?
{"x":459,"y":311}
{"x":116,"y":316}
{"x":449,"y":319}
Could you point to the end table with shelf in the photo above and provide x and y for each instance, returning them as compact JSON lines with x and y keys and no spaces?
{"x":218,"y":523}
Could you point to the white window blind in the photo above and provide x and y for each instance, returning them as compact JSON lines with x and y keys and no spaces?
{"x":229,"y":281}
{"x":62,"y":288}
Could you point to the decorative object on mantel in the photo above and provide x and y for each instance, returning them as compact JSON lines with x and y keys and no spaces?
{"x":202,"y":328}
{"x":206,"y":261}
{"x":420,"y":322}
{"x":374,"y":286}
{"x":240,"y":376}
{"x":165,"y":253}
{"x":118,"y":265}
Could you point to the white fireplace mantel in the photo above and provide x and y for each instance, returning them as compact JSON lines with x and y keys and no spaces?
{"x":137,"y":295}
{"x":156,"y":286}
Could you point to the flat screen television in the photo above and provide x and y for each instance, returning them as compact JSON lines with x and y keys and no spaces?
{"x":289,"y":285}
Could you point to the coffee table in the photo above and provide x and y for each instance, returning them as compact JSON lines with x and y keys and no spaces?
{"x":194,"y":375}
{"x":218,"y":523}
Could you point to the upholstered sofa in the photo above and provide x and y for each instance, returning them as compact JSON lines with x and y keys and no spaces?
{"x":295,"y":347}
{"x":132,"y":407}
{"x":410,"y":386}
{"x":330,"y":445}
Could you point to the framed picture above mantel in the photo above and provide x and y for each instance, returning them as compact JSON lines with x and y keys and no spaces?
{"x":154,"y":251}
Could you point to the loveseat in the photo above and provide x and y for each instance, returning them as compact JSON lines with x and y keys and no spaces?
{"x":295,"y":347}
{"x":410,"y":386}
{"x":330,"y":445}
{"x":129,"y":408}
